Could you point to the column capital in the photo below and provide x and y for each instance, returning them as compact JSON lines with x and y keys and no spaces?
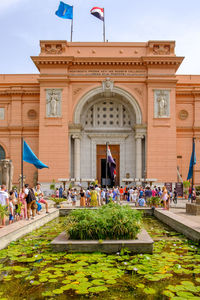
{"x":76,"y":136}
{"x":139,"y":136}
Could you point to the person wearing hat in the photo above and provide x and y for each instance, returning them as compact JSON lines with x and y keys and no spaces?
{"x":39,"y":196}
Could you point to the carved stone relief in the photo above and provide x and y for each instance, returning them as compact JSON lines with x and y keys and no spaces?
{"x":53,"y":103}
{"x":53,"y":48}
{"x":107,"y":86}
{"x":183,"y":114}
{"x":76,"y":91}
{"x":2,"y":113}
{"x":161,"y":49}
{"x":161,"y":103}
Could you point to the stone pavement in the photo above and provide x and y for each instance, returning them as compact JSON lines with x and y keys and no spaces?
{"x":18,"y":229}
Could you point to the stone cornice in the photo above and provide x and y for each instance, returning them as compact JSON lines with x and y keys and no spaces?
{"x":20,"y":91}
{"x":107,"y":61}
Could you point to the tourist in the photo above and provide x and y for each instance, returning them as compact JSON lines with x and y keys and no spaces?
{"x":125,"y":193}
{"x":164,"y":197}
{"x":94,"y":201}
{"x":82,"y":200}
{"x":175,"y":196}
{"x":190,"y":193}
{"x":22,"y":200}
{"x":74,"y":197}
{"x":148,"y":193}
{"x":39,"y":197}
{"x":87,"y":197}
{"x":141,"y":202}
{"x":31,"y":201}
{"x":17,"y":208}
{"x":193,"y":197}
{"x":4,"y":201}
{"x":121,"y":191}
{"x":57,"y":193}
{"x":103,"y":196}
{"x":135,"y":195}
{"x":60,"y":191}
{"x":97,"y":188}
{"x":131,"y":191}
{"x":11,"y":210}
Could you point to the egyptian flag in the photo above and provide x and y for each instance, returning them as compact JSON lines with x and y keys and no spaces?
{"x":98,"y":12}
{"x":112,"y":164}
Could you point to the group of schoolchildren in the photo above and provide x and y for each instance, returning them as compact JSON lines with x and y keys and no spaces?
{"x":19,"y":206}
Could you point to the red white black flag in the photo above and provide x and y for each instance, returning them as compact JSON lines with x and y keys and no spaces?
{"x":98,"y":12}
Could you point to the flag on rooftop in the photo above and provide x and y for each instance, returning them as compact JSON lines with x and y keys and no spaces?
{"x":111,"y":163}
{"x":31,"y":158}
{"x":65,"y":11}
{"x":98,"y":12}
{"x":192,"y":162}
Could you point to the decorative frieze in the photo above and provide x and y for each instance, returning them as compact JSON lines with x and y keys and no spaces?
{"x":53,"y":103}
{"x":161,"y":103}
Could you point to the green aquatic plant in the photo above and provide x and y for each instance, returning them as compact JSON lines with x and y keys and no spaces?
{"x":30,"y":270}
{"x":112,"y":221}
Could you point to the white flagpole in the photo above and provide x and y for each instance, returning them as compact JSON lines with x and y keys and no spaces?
{"x":104,"y":28}
{"x":72,"y":24}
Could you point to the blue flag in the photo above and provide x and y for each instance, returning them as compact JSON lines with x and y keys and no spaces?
{"x":31,"y":158}
{"x":192,"y":162}
{"x":65,"y":11}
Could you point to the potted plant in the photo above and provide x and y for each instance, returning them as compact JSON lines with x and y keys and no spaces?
{"x":3,"y":211}
{"x":186,"y":185}
{"x":57,"y":201}
{"x":153,"y":201}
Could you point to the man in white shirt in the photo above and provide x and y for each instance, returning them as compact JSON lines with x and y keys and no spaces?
{"x":4,"y":200}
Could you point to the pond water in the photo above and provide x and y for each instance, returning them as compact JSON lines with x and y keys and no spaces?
{"x":29,"y":270}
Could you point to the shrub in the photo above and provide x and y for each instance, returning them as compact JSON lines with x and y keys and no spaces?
{"x":57,"y":200}
{"x":153,"y":201}
{"x":109,"y":222}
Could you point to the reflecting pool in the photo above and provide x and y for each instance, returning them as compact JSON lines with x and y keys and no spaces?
{"x":29,"y":269}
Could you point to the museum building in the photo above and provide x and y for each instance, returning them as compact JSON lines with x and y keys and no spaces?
{"x":88,"y":94}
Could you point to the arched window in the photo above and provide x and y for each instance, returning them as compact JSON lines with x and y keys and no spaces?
{"x":2,"y":153}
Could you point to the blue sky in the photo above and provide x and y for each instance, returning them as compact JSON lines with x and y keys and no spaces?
{"x":24,"y":22}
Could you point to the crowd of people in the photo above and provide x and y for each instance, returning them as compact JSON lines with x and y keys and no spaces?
{"x":97,"y":196}
{"x":27,"y":203}
{"x":23,"y":205}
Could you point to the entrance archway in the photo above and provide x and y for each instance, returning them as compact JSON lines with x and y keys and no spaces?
{"x":112,"y":116}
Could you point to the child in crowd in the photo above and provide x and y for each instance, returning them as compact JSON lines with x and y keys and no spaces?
{"x":11,"y":210}
{"x":22,"y":200}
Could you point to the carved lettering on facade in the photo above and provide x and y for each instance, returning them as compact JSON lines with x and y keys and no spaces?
{"x":53,"y":103}
{"x":161,"y":103}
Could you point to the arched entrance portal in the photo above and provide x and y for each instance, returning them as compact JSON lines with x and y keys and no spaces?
{"x":107,"y":114}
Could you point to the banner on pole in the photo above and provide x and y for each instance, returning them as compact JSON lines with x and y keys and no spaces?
{"x":65,"y":11}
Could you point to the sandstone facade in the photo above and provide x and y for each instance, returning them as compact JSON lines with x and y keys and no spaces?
{"x":87,"y":94}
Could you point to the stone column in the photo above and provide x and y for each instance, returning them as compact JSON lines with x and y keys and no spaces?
{"x":77,"y":157}
{"x":138,"y":160}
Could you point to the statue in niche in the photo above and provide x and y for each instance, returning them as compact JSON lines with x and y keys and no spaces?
{"x":162,"y":105}
{"x":53,"y":103}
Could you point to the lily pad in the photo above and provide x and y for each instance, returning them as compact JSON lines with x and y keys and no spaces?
{"x":168,"y":294}
{"x":97,"y":289}
{"x":98,"y":282}
{"x":58,"y":291}
{"x":149,"y":291}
